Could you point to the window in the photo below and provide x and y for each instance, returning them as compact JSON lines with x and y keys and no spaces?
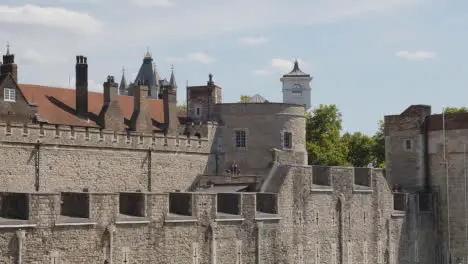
{"x":198,"y":111}
{"x":295,"y":92}
{"x":9,"y":94}
{"x":240,"y":139}
{"x":287,"y":138}
{"x":407,"y":144}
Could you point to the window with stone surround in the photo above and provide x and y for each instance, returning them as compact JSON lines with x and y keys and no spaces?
{"x":74,"y":204}
{"x":241,"y":136}
{"x":287,"y":140}
{"x":132,"y":204}
{"x":9,"y":94}
{"x":14,"y":206}
{"x":180,"y":203}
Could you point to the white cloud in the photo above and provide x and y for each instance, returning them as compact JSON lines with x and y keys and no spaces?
{"x":51,"y":17}
{"x":280,"y":66}
{"x":415,"y":55}
{"x":154,"y":3}
{"x":215,"y":17}
{"x":201,"y":57}
{"x":252,"y":41}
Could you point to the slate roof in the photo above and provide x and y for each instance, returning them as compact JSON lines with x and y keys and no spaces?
{"x":57,"y":105}
{"x":296,"y":72}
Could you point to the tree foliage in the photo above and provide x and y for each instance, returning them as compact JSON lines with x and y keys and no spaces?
{"x":326,"y":147}
{"x":244,"y":98}
{"x":454,"y":110}
{"x":182,"y":107}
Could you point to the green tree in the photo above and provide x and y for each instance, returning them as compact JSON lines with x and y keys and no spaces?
{"x":244,"y":98}
{"x":379,"y":146}
{"x":360,"y":149}
{"x":182,"y":107}
{"x":454,"y":110}
{"x":324,"y":145}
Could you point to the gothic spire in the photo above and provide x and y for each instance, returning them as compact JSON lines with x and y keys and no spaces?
{"x":123,"y":83}
{"x":172,"y":81}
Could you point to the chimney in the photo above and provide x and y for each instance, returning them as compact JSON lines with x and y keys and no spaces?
{"x":9,"y":65}
{"x":170,"y":111}
{"x":81,"y":86}
{"x":110,"y":90}
{"x":142,"y":121}
{"x":111,"y":114}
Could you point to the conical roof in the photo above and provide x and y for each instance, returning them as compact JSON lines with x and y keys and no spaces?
{"x":296,"y":72}
{"x":147,"y":76}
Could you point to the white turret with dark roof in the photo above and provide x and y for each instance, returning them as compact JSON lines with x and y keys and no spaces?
{"x":296,"y":87}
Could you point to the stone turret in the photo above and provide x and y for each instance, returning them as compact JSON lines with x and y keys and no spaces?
{"x":296,"y":87}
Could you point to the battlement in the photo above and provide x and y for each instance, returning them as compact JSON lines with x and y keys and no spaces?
{"x":328,"y":178}
{"x":95,"y":137}
{"x":410,"y":119}
{"x":20,"y":210}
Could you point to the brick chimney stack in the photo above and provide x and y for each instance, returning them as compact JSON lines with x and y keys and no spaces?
{"x":110,"y":90}
{"x":170,"y":110}
{"x":142,"y":121}
{"x":111,"y":114}
{"x":81,"y":86}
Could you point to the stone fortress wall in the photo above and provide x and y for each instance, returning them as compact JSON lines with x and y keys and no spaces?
{"x":317,"y":215}
{"x":76,"y":195}
{"x":427,"y":151}
{"x":97,"y":199}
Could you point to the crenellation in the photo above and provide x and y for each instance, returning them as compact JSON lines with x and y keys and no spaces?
{"x":95,"y":137}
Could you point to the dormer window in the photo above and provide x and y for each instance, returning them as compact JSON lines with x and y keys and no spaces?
{"x":9,"y":94}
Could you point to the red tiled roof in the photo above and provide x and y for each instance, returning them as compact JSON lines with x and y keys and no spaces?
{"x":54,"y":105}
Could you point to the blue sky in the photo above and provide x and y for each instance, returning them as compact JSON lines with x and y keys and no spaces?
{"x":370,"y":58}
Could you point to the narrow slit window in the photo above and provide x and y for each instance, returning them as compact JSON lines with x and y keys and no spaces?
{"x":287,"y":138}
{"x":408,"y":144}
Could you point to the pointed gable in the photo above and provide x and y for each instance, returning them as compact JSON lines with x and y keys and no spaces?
{"x":14,"y":106}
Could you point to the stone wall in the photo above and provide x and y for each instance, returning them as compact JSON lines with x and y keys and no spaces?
{"x":264,"y":125}
{"x":48,"y":158}
{"x":339,"y":222}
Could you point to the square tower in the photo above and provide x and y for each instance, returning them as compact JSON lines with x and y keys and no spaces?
{"x":201,"y":99}
{"x":296,"y":87}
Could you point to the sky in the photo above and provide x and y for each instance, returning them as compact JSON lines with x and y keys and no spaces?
{"x":369,"y":57}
